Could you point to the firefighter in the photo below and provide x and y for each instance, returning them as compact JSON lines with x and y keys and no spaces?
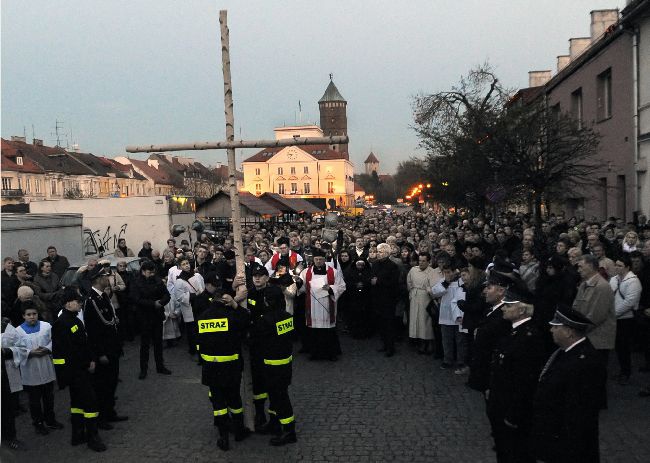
{"x":255,"y":301}
{"x":220,"y":329}
{"x":273,"y":329}
{"x":74,"y":365}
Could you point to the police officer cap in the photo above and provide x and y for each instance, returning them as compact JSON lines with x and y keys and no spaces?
{"x":211,"y":278}
{"x":70,"y":294}
{"x":98,"y":271}
{"x":260,"y":271}
{"x":572,"y":318}
{"x":516,"y":295}
{"x":499,"y":279}
{"x":316,"y":252}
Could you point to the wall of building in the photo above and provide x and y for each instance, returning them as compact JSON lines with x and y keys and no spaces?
{"x":615,"y":194}
{"x":643,"y":86}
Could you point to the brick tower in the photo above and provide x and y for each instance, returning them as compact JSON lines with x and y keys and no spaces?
{"x":333,"y":116}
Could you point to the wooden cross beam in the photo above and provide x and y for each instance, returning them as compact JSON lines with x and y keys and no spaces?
{"x":230,"y":144}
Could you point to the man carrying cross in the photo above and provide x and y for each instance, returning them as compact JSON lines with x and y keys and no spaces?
{"x":322,"y":285}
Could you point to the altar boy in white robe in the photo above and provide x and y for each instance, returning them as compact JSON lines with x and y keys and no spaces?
{"x":322,"y":285}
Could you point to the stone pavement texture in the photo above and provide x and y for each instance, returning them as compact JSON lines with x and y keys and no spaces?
{"x":363,"y":408}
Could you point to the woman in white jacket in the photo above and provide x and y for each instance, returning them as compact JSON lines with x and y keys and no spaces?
{"x":627,"y":293}
{"x":186,"y":287}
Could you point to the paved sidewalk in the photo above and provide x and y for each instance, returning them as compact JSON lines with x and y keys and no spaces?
{"x":362,"y":408}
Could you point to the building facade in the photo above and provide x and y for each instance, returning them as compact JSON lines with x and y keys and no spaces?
{"x":309,"y":172}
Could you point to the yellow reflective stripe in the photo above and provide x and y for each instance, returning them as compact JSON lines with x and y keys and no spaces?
{"x":91,"y":414}
{"x":209,"y":393}
{"x":197,"y":347}
{"x":271,"y":412}
{"x":252,"y":301}
{"x":77,"y":411}
{"x":278,"y":362}
{"x":219,"y":358}
{"x":58,"y":361}
{"x":236,"y":411}
{"x":223,"y":411}
{"x":287,"y":420}
{"x":263,"y":395}
{"x":74,"y":328}
{"x":213,"y":325}
{"x":284,"y":326}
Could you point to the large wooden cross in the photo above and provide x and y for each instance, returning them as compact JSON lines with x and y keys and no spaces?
{"x":230,"y":144}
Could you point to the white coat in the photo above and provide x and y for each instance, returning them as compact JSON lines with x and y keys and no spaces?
{"x":36,"y":370}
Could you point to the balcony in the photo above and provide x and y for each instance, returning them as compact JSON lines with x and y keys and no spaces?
{"x":12,"y":193}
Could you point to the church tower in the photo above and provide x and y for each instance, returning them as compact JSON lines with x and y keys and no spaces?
{"x":333,"y":115}
{"x":372,"y":164}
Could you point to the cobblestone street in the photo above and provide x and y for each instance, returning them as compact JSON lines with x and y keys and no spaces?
{"x":362,"y":408}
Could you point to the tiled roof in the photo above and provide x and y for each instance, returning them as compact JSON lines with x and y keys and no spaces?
{"x":320,"y":152}
{"x":331,"y":94}
{"x":358,"y":187}
{"x":371,"y":158}
{"x":9,"y":155}
{"x":50,"y":159}
{"x":249,"y":201}
{"x":158,"y":176}
{"x":222,"y":173}
{"x":285,"y":204}
{"x":99,"y":167}
{"x":126,"y":169}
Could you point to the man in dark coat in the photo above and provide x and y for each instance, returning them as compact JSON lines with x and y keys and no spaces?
{"x":384,"y":290}
{"x":149,"y":296}
{"x":566,"y":404}
{"x":101,"y":325}
{"x":489,"y":332}
{"x":515,"y":369}
{"x":59,"y":263}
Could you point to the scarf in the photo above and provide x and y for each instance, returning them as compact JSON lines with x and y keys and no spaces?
{"x":27,"y":328}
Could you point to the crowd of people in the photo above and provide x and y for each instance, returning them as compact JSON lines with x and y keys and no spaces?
{"x":528,"y":312}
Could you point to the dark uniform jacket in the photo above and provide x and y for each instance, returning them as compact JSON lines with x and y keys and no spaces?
{"x":273,"y":329}
{"x":489,"y":332}
{"x":101,"y":325}
{"x":145,"y":292}
{"x":385,"y":291}
{"x":220,"y":330}
{"x":59,"y":265}
{"x":566,"y":406}
{"x":515,"y":370}
{"x":71,"y":352}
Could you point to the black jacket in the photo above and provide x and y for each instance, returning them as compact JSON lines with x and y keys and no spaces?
{"x":566,"y":407}
{"x":10,"y":286}
{"x":489,"y":333}
{"x":101,"y":326}
{"x":144,"y":294}
{"x":274,"y":330}
{"x":385,"y":291}
{"x":59,"y":265}
{"x":516,"y":365}
{"x":220,"y":331}
{"x":71,"y":352}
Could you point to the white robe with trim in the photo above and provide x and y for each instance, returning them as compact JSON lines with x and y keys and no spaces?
{"x":320,"y":302}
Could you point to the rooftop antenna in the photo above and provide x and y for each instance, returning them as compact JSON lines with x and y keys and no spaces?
{"x":300,"y":113}
{"x":58,"y":125}
{"x":33,"y":132}
{"x":24,"y":132}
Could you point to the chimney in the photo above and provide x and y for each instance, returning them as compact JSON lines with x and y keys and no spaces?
{"x":562,"y":61}
{"x":153,"y":163}
{"x":538,"y":78}
{"x":37,"y":142}
{"x":577,"y":45}
{"x":600,"y":21}
{"x":17,"y":138}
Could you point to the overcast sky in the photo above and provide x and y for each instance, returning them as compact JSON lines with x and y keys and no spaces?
{"x":117,"y":72}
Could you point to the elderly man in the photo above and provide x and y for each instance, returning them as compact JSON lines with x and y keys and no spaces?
{"x":59,"y":263}
{"x":323,"y":285}
{"x":515,"y":370}
{"x":567,"y":398}
{"x":595,"y":300}
{"x":23,"y":258}
{"x":384,"y":291}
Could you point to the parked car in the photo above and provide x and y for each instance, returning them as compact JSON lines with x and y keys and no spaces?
{"x":70,"y":276}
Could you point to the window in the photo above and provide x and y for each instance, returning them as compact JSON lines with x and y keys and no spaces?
{"x":53,"y":186}
{"x":306,"y":190}
{"x":294,"y":188}
{"x":330,"y":187}
{"x":555,"y":111}
{"x":576,"y":107}
{"x":280,"y":171}
{"x":258,"y":188}
{"x":604,"y":90}
{"x":281,"y":188}
{"x":305,"y":169}
{"x":257,"y":171}
{"x":20,"y":183}
{"x":28,"y":185}
{"x":6,"y":183}
{"x":293,"y":170}
{"x":37,"y":186}
{"x":19,"y":160}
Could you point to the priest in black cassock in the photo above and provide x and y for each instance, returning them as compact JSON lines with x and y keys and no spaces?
{"x":322,"y":286}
